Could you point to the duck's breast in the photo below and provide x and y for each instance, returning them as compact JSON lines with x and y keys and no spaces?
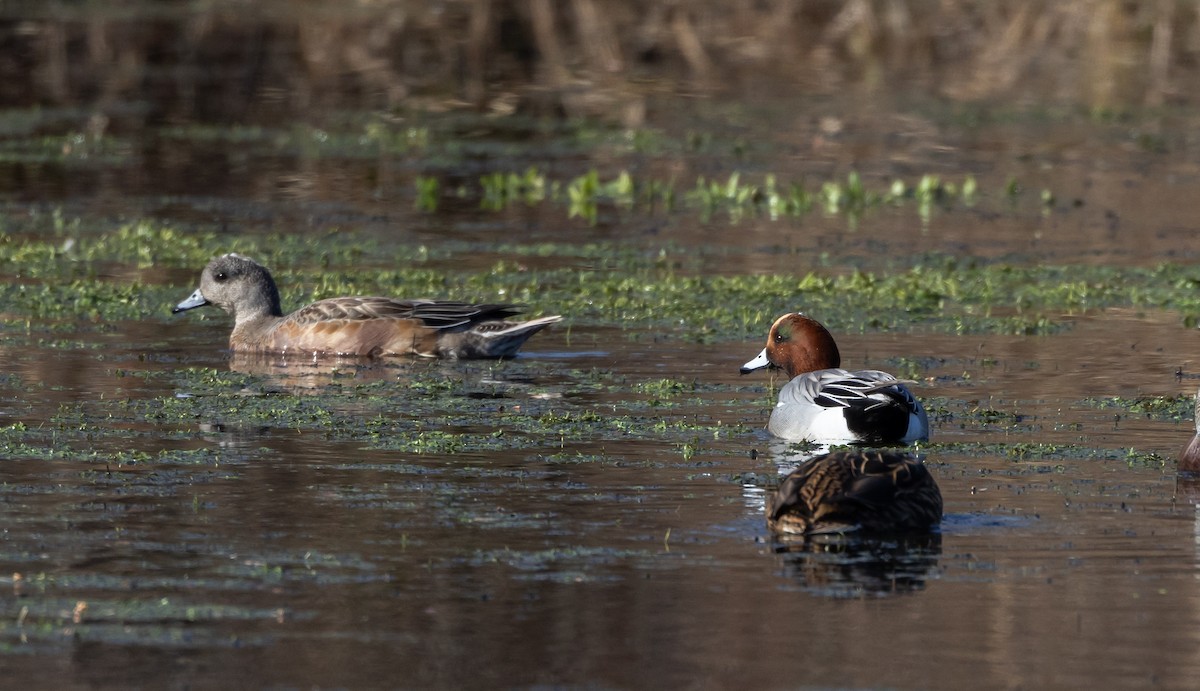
{"x":362,"y":337}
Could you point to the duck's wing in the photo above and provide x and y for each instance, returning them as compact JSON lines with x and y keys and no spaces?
{"x":807,"y":487}
{"x":435,"y":314}
{"x":874,"y":406}
{"x":839,"y":388}
{"x":880,"y":478}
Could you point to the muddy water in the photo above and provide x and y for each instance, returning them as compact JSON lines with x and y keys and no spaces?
{"x":221,"y":545}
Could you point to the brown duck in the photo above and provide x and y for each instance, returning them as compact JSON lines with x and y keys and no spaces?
{"x":365,"y":326}
{"x":845,"y":491}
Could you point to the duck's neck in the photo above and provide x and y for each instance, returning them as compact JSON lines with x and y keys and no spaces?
{"x":253,"y":333}
{"x":811,"y":359}
{"x":257,"y":305}
{"x":254,"y":315}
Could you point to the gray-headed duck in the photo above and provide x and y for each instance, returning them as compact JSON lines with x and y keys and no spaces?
{"x":364,"y":326}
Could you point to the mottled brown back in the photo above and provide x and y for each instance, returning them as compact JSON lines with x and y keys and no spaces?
{"x":877,"y":491}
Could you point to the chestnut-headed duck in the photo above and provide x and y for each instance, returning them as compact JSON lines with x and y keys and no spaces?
{"x":845,"y":491}
{"x":1189,"y":462}
{"x":364,"y":326}
{"x":825,"y":404}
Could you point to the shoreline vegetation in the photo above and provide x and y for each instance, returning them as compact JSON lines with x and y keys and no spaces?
{"x":588,"y":58}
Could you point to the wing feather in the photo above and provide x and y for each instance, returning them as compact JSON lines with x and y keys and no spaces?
{"x":440,"y":315}
{"x":839,"y":388}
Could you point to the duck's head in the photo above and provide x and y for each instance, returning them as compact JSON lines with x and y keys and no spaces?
{"x":797,"y":344}
{"x":239,"y":285}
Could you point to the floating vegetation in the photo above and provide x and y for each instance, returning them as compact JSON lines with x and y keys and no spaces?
{"x":1174,"y":408}
{"x":583,"y":195}
{"x":1024,"y":451}
{"x":75,"y":149}
{"x":63,"y":279}
{"x":365,"y":137}
{"x":424,"y":412}
{"x":503,"y":189}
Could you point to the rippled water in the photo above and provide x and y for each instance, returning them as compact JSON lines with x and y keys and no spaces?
{"x":240,"y":550}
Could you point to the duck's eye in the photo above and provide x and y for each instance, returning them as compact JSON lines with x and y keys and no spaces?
{"x":780,"y":338}
{"x":220,"y":276}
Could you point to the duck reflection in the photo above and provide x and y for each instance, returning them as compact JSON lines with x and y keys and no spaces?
{"x":307,"y":375}
{"x":299,"y":374}
{"x":788,"y":456}
{"x":231,"y":436}
{"x":855,"y":566}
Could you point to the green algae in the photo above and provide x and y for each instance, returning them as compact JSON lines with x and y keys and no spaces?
{"x":636,"y":290}
{"x":73,"y":150}
{"x":429,"y":411}
{"x":364,"y":136}
{"x":584,"y":195}
{"x":57,"y":611}
{"x":639,"y":291}
{"x":1173,"y":408}
{"x":1025,"y":451}
{"x":571,"y":564}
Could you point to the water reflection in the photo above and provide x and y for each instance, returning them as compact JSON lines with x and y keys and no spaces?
{"x":855,"y":567}
{"x":307,"y":374}
{"x":232,"y":436}
{"x":786,"y":456}
{"x":1187,"y":489}
{"x":789,"y":455}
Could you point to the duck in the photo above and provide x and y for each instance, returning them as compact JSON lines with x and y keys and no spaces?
{"x":826,"y":404}
{"x":355,"y":326}
{"x":877,"y":491}
{"x":1189,"y":460}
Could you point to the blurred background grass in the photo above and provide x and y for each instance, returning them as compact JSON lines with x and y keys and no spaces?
{"x":246,"y":60}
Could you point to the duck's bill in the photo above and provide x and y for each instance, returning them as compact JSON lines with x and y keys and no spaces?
{"x":195,"y":300}
{"x":760,"y":361}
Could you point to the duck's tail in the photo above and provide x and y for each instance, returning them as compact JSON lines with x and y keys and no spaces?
{"x":495,"y":339}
